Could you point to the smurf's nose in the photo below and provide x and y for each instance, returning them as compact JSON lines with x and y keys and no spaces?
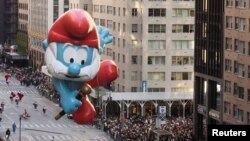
{"x":74,"y":69}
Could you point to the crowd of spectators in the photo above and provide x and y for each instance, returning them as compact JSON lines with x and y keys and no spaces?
{"x":134,"y":128}
{"x":137,"y":128}
{"x":27,"y":77}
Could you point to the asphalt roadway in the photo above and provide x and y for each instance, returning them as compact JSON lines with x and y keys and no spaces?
{"x":40,"y":127}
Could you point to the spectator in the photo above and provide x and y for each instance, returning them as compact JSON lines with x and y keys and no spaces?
{"x":35,"y":105}
{"x":14,"y":127}
{"x":44,"y":109}
{"x":7,"y":134}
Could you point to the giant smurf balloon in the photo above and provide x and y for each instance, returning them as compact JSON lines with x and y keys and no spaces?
{"x":72,"y":57}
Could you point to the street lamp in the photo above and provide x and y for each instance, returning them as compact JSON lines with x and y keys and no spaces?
{"x":97,"y":102}
{"x":20,"y":119}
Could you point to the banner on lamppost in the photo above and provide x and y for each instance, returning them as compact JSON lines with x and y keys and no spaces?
{"x":162,"y":109}
{"x":144,"y":86}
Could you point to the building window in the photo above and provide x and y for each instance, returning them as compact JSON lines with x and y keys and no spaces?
{"x":248,"y":95}
{"x":114,"y":25}
{"x":102,"y":22}
{"x":109,"y":10}
{"x":118,"y":42}
{"x":181,"y":75}
{"x":157,"y":12}
{"x":185,"y":28}
{"x":240,"y":116}
{"x":239,"y":24}
{"x":109,"y":52}
{"x":249,"y":22}
{"x":248,"y":74}
{"x":133,"y":89}
{"x":134,"y":12}
{"x":227,"y":86}
{"x":134,"y":59}
{"x":235,"y":112}
{"x":183,"y":44}
{"x":114,"y":39}
{"x":249,"y":45}
{"x":240,"y":92}
{"x":96,"y":8}
{"x":109,"y":24}
{"x":123,"y":59}
{"x":183,"y":12}
{"x":156,"y":44}
{"x":134,"y":28}
{"x":123,"y":74}
{"x":85,"y":7}
{"x":123,"y":43}
{"x":239,"y":69}
{"x":229,"y":3}
{"x":113,"y":55}
{"x":156,"y":28}
{"x":119,"y":27}
{"x":228,"y":65}
{"x":123,"y":27}
{"x":156,"y":60}
{"x":124,"y":11}
{"x":227,"y":109}
{"x":182,"y":89}
{"x":229,"y":42}
{"x":114,"y":11}
{"x":134,"y":76}
{"x":103,"y":9}
{"x":248,"y":118}
{"x":150,"y":62}
{"x":119,"y":11}
{"x":156,"y":76}
{"x":156,"y":89}
{"x":118,"y":57}
{"x":239,"y":46}
{"x":235,"y":88}
{"x":229,"y":22}
{"x":182,"y":60}
{"x":240,"y":3}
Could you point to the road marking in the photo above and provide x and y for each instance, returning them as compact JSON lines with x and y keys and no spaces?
{"x":47,"y":125}
{"x":30,"y":138}
{"x":42,"y":125}
{"x":58,"y":125}
{"x":64,"y":126}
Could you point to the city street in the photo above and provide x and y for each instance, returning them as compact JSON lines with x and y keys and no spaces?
{"x":40,"y":127}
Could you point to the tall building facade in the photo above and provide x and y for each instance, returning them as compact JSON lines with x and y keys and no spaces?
{"x":222,"y":68}
{"x":236,"y":98}
{"x":42,"y":15}
{"x":82,"y":4}
{"x":208,"y":86}
{"x":153,"y":43}
{"x":23,"y":20}
{"x":9,"y":21}
{"x":2,"y":39}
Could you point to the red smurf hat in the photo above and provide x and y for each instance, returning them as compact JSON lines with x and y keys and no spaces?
{"x":76,"y":27}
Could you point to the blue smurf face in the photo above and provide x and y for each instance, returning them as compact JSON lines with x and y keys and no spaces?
{"x":74,"y":57}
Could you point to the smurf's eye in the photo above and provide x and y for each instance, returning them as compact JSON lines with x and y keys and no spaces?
{"x":81,"y":56}
{"x":69,"y":55}
{"x":82,"y":62}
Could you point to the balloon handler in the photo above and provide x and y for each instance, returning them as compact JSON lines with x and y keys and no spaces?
{"x":72,"y":57}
